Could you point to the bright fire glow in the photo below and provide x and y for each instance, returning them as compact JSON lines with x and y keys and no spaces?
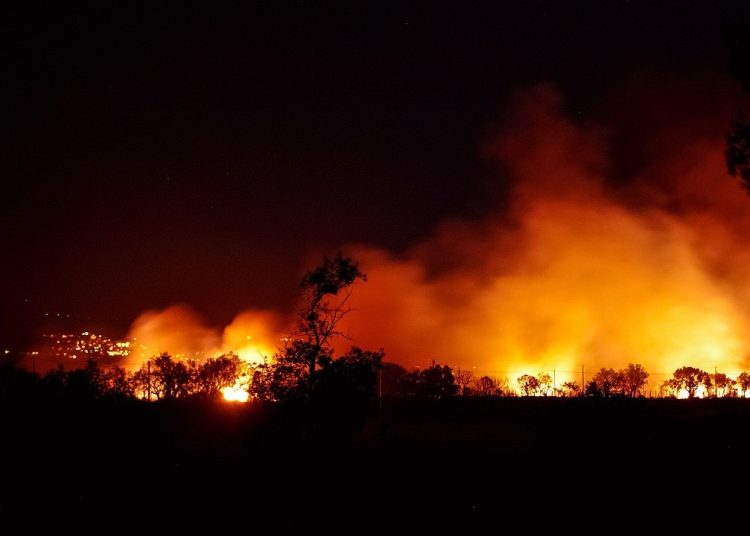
{"x":235,"y":393}
{"x":253,"y":336}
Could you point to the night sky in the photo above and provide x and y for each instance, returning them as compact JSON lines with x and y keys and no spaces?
{"x":205,"y":155}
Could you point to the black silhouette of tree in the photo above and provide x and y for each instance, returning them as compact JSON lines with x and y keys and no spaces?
{"x":351,"y":378}
{"x":743,"y":382}
{"x":593,"y":389}
{"x":393,"y":380}
{"x":634,"y":378}
{"x":671,"y":387}
{"x":308,"y":353}
{"x":86,"y":382}
{"x":16,"y":382}
{"x":217,"y":373}
{"x":570,"y":389}
{"x":327,"y":290}
{"x":287,"y":378}
{"x":708,"y":385}
{"x":343,"y":391}
{"x":689,"y":379}
{"x":118,"y":383}
{"x":435,"y":381}
{"x":170,"y":378}
{"x":140,"y":383}
{"x":724,"y":386}
{"x":609,"y":382}
{"x":487,"y":386}
{"x":464,"y":379}
{"x":528,"y":384}
{"x":54,"y":383}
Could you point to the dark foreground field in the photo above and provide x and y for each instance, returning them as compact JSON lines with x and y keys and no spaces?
{"x":425,"y":467}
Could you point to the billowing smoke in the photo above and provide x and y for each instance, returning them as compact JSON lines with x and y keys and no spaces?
{"x":614,"y":245}
{"x":253,"y":335}
{"x":178,"y":330}
{"x":586,"y":266}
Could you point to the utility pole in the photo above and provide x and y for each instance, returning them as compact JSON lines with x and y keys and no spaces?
{"x":583,"y":382}
{"x":554,"y":382}
{"x":33,"y":355}
{"x":148,"y":379}
{"x":716,"y":385}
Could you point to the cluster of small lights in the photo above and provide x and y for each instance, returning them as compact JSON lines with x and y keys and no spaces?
{"x":84,"y":345}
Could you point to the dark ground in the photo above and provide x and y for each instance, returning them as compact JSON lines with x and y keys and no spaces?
{"x":430,"y":467}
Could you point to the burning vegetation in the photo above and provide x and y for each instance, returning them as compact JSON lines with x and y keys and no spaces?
{"x":585,"y":261}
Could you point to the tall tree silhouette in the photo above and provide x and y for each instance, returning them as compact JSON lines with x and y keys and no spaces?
{"x":327,"y":290}
{"x":292,"y":375}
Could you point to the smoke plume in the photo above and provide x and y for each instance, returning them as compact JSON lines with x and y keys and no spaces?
{"x":589,"y":265}
{"x":622,"y":241}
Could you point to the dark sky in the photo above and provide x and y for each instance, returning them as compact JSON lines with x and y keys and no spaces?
{"x":170,"y":154}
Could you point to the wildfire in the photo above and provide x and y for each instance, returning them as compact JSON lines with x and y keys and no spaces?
{"x":252,"y":336}
{"x":580,"y":267}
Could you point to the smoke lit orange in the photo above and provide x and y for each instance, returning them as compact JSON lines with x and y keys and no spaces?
{"x":580,"y":269}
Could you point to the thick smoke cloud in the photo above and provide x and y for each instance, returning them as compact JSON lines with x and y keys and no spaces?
{"x":253,"y":335}
{"x":622,"y":241}
{"x":587,"y":266}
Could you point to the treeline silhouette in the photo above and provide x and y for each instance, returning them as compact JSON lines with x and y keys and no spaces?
{"x":161,"y":377}
{"x":357,"y":375}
